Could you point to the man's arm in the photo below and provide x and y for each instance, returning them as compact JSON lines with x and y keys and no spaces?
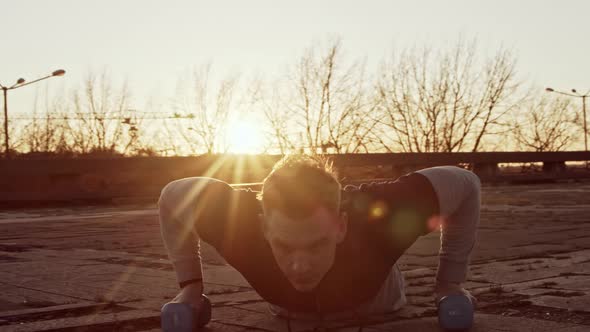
{"x":177,"y":211}
{"x":458,"y":192}
{"x":199,"y":208}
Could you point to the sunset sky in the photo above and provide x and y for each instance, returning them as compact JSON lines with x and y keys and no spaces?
{"x":151,"y":43}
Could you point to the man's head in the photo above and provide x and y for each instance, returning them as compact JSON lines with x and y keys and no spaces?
{"x":302,"y":220}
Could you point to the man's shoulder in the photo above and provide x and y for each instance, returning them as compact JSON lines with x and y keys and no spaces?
{"x":231,"y":217}
{"x":414,"y":180}
{"x":381,"y":199}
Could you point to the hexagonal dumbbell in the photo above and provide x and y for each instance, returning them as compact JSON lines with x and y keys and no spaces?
{"x":455,"y":313}
{"x":182,"y":317}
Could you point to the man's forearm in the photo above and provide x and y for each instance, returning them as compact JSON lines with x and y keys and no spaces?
{"x":183,"y":248}
{"x":458,"y":191}
{"x":177,"y":225}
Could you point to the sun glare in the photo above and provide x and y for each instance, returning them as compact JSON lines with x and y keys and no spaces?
{"x":244,"y":137}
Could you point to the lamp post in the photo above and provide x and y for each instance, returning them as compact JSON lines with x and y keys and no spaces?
{"x":575,"y":93}
{"x":19,"y":83}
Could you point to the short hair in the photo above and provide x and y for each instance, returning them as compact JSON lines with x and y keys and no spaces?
{"x":299,"y":184}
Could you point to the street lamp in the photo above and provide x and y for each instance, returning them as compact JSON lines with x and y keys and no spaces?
{"x":575,"y":93}
{"x":19,"y":83}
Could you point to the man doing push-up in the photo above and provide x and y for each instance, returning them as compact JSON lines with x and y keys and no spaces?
{"x":311,"y":248}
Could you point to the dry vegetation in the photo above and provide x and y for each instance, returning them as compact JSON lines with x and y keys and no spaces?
{"x":419,"y":100}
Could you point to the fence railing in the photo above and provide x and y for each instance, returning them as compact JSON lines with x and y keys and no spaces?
{"x":484,"y":164}
{"x":23,"y":180}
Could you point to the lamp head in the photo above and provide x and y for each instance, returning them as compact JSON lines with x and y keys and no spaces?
{"x":59,"y":72}
{"x":20,"y":81}
{"x":549,"y":89}
{"x":574,"y":91}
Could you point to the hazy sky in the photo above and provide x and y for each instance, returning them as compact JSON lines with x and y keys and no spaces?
{"x":151,"y":43}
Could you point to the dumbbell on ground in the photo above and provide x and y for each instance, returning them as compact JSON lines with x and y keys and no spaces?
{"x":182,"y":317}
{"x":455,"y":313}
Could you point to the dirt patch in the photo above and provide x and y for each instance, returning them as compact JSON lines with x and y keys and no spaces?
{"x":137,"y":263}
{"x":516,"y":305}
{"x":524,"y":308}
{"x":10,"y":259}
{"x":34,"y":317}
{"x":565,"y":294}
{"x":17,"y":247}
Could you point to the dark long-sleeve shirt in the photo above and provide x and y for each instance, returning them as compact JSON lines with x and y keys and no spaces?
{"x":385,"y":219}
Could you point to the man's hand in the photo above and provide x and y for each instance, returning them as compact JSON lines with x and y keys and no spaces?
{"x":443,"y":289}
{"x":191,"y":294}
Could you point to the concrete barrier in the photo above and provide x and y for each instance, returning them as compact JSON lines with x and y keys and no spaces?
{"x":109,"y":178}
{"x":59,"y":179}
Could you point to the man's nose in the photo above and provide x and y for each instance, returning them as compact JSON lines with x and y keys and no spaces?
{"x":300,"y":264}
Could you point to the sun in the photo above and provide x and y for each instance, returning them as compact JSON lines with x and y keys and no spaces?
{"x":244,"y":137}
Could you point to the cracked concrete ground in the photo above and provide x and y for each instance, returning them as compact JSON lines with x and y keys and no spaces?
{"x":105,"y":268}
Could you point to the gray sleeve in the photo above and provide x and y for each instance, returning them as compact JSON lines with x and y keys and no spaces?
{"x":178,"y":211}
{"x":458,"y":192}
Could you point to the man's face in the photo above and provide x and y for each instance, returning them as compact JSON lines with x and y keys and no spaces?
{"x":304,"y":248}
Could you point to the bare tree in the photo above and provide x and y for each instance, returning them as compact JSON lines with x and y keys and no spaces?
{"x":101,"y":119}
{"x":203,"y":110}
{"x":327,"y":102}
{"x":46,"y":131}
{"x":443,"y":102}
{"x":266,"y":98}
{"x":17,"y":142}
{"x":544,"y":124}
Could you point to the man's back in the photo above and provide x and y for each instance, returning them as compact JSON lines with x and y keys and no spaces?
{"x":384,"y":220}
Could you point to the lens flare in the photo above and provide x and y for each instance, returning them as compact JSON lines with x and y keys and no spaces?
{"x":245,"y":137}
{"x":435,"y":222}
{"x":405,"y":223}
{"x":378,"y":210}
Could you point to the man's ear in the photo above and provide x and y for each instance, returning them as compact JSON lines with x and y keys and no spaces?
{"x":342,"y":227}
